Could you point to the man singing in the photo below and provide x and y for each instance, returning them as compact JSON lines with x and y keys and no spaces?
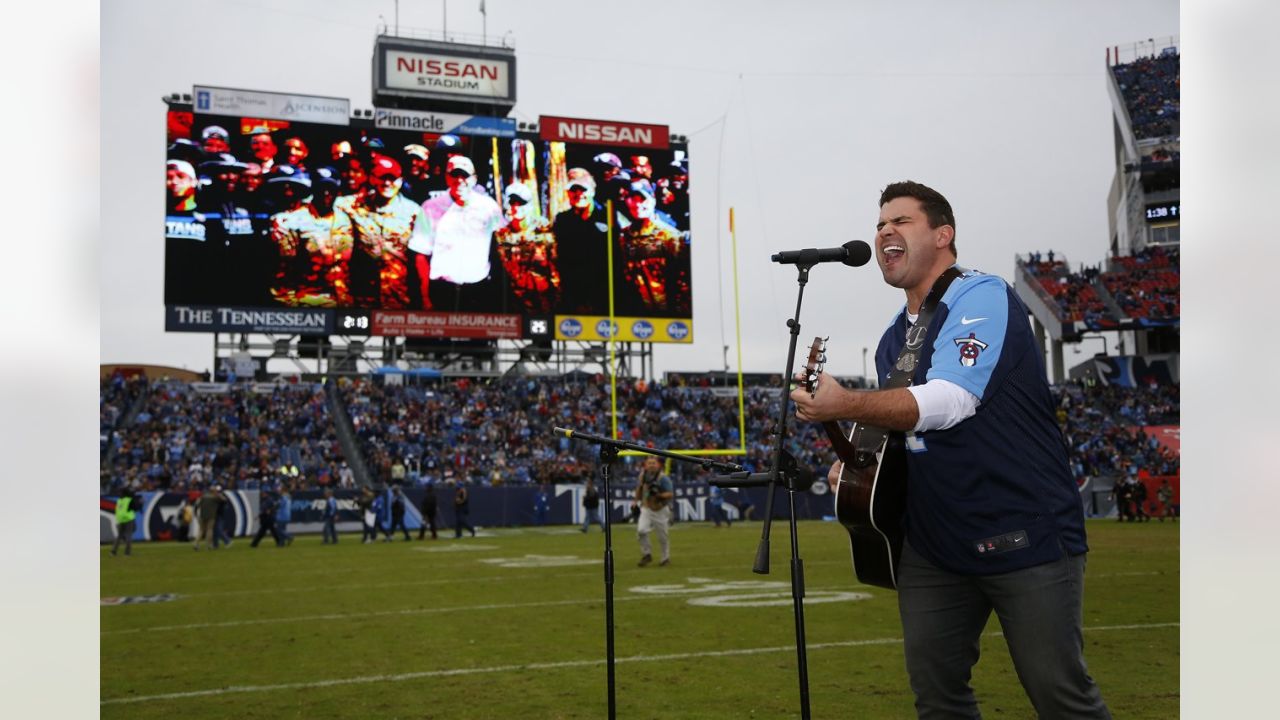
{"x":993,"y":520}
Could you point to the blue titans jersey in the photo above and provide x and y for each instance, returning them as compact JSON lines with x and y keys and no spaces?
{"x":992,"y":493}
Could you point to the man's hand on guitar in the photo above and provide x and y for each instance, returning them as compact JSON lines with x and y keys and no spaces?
{"x":827,"y":401}
{"x":833,"y":475}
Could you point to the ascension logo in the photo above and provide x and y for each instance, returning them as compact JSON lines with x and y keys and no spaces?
{"x":642,"y":329}
{"x":291,"y":109}
{"x":570,"y":327}
{"x":677,"y":330}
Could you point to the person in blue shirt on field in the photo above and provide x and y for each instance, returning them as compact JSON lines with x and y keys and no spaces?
{"x":993,"y":518}
{"x":330,"y":531}
{"x":716,"y":503}
{"x":379,"y":508}
{"x":284,"y":514}
{"x":541,"y":505}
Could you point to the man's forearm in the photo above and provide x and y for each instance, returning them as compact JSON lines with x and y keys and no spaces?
{"x":894,"y":409}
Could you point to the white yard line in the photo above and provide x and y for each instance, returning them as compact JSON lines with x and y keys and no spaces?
{"x":358,"y":616}
{"x":401,"y":677}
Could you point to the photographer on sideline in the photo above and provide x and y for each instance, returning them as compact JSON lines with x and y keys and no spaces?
{"x":654,"y":493}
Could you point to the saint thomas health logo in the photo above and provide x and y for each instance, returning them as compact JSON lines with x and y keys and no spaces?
{"x":202,"y":100}
{"x":677,"y":330}
{"x":570,"y":327}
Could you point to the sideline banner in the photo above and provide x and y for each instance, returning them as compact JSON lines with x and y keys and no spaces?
{"x":160,"y":516}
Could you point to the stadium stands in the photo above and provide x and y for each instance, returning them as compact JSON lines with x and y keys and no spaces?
{"x":1102,"y":426}
{"x":1146,"y":285}
{"x":1143,"y":287}
{"x":1150,"y":87}
{"x":1074,"y":297}
{"x":190,"y":435}
{"x":498,"y":432}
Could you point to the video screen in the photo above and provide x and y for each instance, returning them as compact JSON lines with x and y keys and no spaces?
{"x":269,"y":213}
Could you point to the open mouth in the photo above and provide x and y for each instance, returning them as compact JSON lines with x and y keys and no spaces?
{"x":893,"y":253}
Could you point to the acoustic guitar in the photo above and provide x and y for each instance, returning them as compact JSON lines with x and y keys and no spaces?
{"x":871,"y":494}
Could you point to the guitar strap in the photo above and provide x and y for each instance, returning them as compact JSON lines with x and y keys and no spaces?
{"x":909,"y":358}
{"x":869,"y":439}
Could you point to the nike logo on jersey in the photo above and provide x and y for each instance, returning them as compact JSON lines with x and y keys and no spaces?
{"x":970,"y":321}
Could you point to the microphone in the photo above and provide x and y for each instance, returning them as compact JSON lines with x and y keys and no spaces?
{"x":577,"y":435}
{"x":854,"y":253}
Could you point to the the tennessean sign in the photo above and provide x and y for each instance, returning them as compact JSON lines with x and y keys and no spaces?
{"x":410,"y":71}
{"x":294,"y":321}
{"x":603,"y":132}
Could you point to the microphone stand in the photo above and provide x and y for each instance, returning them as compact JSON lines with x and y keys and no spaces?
{"x":609,"y":449}
{"x":784,"y":468}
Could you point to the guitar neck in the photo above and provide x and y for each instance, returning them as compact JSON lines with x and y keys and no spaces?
{"x":844,"y":449}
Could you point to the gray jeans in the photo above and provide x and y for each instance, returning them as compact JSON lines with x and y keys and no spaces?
{"x":1040,"y":612}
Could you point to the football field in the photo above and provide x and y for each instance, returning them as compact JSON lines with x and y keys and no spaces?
{"x":512,"y":624}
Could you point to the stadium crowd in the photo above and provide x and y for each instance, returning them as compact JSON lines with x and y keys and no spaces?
{"x":1102,"y":426}
{"x":239,"y":436}
{"x":500,"y":431}
{"x":1150,"y":88}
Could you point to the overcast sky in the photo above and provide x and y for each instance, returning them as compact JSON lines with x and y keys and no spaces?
{"x":799,"y":114}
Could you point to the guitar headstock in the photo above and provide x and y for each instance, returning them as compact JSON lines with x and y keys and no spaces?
{"x":813,"y":367}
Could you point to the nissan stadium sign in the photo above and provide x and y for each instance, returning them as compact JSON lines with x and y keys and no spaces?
{"x":430,"y":69}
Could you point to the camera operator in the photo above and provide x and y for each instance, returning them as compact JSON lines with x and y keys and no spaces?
{"x":653,"y":494}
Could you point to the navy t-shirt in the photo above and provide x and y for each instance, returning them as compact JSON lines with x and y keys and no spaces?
{"x":993,"y":493}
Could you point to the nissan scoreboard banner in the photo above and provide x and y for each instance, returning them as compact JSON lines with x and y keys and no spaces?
{"x":392,"y":119}
{"x":292,"y":321}
{"x":279,"y":106}
{"x":596,"y":328}
{"x":603,"y":132}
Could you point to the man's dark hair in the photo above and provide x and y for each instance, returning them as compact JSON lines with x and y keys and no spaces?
{"x":935,"y":206}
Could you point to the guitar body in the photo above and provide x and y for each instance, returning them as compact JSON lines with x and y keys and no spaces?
{"x":870,"y":500}
{"x":871,"y":495}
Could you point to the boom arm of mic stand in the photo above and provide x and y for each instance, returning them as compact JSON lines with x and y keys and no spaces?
{"x":624,"y":445}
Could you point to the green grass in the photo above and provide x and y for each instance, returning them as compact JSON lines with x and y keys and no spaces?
{"x":392,"y":631}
